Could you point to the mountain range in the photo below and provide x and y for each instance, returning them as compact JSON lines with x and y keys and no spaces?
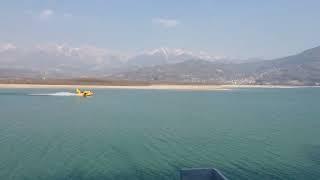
{"x":156,"y":65}
{"x":55,"y":59}
{"x":299,"y":69}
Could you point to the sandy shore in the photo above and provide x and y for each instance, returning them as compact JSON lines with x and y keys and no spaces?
{"x":155,"y":87}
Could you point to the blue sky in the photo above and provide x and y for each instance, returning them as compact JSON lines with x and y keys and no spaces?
{"x":244,"y":29}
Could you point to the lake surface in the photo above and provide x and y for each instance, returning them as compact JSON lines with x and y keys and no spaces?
{"x":151,"y":134}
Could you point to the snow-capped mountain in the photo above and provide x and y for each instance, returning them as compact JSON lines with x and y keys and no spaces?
{"x":66,"y":59}
{"x":163,"y":65}
{"x":60,"y":58}
{"x":7,"y":47}
{"x":168,"y":56}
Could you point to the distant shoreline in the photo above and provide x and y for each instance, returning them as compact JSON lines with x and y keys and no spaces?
{"x":144,"y":87}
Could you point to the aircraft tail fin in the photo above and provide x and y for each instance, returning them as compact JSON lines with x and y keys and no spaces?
{"x":78,"y":91}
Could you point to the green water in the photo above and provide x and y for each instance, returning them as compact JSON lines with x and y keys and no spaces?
{"x":151,"y":134}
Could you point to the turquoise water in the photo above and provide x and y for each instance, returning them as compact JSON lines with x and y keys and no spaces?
{"x":151,"y":134}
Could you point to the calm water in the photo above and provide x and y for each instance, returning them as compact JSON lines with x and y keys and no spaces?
{"x":145,"y":134}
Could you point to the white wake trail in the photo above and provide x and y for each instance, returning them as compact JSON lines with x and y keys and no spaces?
{"x":56,"y":94}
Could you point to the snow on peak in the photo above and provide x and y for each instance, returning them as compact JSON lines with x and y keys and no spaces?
{"x":176,"y":52}
{"x":7,"y":47}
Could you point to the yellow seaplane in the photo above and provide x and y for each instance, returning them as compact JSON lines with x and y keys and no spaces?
{"x":83,"y":93}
